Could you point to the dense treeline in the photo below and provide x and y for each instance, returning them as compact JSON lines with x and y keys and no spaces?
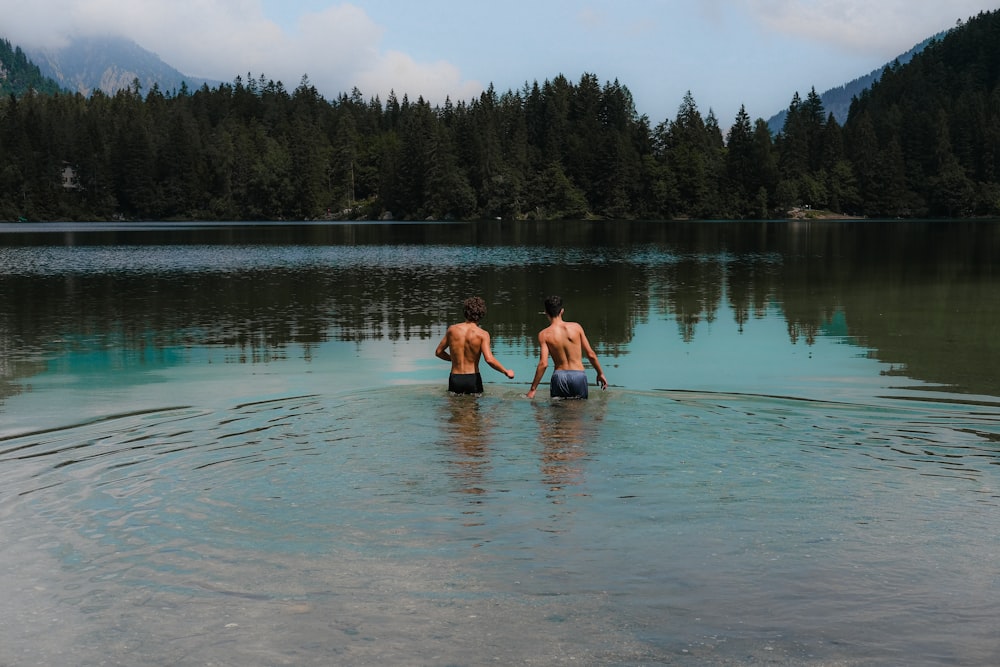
{"x":19,"y":75}
{"x":926,"y":137}
{"x":925,"y":140}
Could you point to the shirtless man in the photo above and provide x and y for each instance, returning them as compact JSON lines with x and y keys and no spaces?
{"x":463,"y":344}
{"x":568,"y":344}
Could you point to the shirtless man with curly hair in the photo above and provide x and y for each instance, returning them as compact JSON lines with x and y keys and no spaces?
{"x":463,"y":344}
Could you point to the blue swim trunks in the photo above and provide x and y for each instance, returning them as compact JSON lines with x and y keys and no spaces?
{"x":568,"y":384}
{"x":465,"y":383}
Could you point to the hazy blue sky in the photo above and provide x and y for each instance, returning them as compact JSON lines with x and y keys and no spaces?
{"x":726,"y":52}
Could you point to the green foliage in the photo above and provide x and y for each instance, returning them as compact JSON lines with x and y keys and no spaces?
{"x":19,"y":76}
{"x":925,"y":140}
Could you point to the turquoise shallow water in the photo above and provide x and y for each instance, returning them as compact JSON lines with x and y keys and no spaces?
{"x":637,"y":527}
{"x":245,"y":455}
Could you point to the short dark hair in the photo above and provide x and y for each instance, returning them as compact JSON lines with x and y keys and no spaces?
{"x":553,"y":305}
{"x":475,"y":308}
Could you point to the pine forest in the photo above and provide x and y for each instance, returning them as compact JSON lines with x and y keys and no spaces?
{"x":923,"y":141}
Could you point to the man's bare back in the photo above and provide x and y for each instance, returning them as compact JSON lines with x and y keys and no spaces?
{"x":564,"y":341}
{"x":567,"y":343}
{"x":463,"y":345}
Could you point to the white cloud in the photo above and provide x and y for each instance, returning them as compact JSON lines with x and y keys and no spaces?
{"x":341,"y":45}
{"x":434,"y":81}
{"x":338,"y":47}
{"x":885,"y":28}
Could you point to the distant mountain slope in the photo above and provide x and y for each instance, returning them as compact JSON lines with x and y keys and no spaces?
{"x":18,"y":75}
{"x":838,"y":100}
{"x":110,"y":64}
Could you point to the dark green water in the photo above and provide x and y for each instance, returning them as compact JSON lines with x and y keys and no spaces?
{"x":233,"y":445}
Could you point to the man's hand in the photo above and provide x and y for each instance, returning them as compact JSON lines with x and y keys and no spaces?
{"x":531,"y":393}
{"x":509,"y":373}
{"x":601,"y":380}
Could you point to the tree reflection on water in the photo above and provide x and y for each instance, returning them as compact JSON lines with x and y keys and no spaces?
{"x":923,"y":296}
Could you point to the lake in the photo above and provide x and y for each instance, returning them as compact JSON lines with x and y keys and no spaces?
{"x":231,"y":444}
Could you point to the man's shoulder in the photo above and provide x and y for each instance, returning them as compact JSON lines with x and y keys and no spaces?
{"x":570,"y":326}
{"x":555,"y":332}
{"x":467,"y":330}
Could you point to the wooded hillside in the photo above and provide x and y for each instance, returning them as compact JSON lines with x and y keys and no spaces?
{"x":924,"y":141}
{"x":18,"y":75}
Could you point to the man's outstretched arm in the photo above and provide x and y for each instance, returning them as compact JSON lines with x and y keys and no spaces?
{"x":592,"y":358}
{"x":492,"y":361}
{"x":543,"y":364}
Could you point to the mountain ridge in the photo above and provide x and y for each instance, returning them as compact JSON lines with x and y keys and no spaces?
{"x":837,"y":100}
{"x":921,"y":142}
{"x":110,"y":64}
{"x":18,"y":74}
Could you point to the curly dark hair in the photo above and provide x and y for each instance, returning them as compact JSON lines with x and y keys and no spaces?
{"x":553,"y":305}
{"x":475,"y":308}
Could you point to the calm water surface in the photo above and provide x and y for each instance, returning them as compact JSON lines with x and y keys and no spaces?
{"x":232,"y":445}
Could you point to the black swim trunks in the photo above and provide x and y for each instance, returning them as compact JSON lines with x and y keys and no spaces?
{"x":568,"y":384}
{"x":465,"y":383}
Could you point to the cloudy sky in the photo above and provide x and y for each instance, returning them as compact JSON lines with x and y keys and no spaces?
{"x":726,"y":52}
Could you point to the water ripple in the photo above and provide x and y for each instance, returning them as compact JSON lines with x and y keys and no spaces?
{"x":678,"y":506}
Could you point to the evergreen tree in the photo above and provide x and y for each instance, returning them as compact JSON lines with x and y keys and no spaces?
{"x":689,"y":152}
{"x":741,"y":170}
{"x":20,"y":75}
{"x":923,"y":140}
